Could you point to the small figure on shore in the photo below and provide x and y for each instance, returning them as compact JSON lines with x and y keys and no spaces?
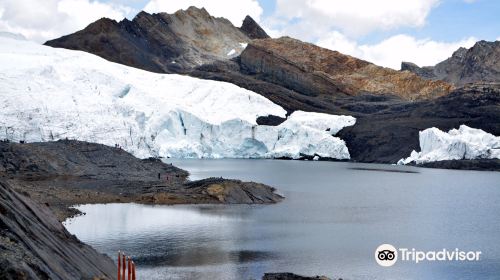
{"x":159,"y":176}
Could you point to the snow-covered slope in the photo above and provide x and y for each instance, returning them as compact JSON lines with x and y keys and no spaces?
{"x":461,"y":143}
{"x":49,"y":94}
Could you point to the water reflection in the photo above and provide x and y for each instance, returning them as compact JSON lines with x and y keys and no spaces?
{"x":333,"y":217}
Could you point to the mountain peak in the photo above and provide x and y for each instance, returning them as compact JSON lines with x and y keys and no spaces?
{"x":142,"y":14}
{"x":101,"y":25}
{"x":252,"y":29}
{"x":460,"y":52}
{"x":196,"y":10}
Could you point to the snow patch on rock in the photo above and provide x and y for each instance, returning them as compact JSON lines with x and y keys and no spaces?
{"x":457,"y":144}
{"x":49,"y":94}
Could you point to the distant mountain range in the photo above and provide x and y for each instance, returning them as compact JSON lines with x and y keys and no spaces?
{"x":481,"y":63}
{"x":391,"y":106}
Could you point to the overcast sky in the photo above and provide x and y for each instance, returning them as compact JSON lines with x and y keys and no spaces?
{"x":385,"y":32}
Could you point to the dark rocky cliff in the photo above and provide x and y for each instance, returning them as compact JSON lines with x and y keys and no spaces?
{"x":164,"y":43}
{"x":35,"y":245}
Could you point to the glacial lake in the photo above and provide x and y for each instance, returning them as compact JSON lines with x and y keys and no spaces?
{"x":333,"y":218}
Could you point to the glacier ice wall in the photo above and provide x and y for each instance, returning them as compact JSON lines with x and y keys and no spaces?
{"x":49,"y":94}
{"x":461,"y":143}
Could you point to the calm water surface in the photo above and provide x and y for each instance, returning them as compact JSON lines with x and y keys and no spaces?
{"x":333,"y":218}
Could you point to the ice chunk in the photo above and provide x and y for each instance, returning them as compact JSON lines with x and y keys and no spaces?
{"x":321,"y":121}
{"x":461,"y":143}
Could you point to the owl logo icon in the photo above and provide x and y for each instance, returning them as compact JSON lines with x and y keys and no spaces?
{"x":386,"y":255}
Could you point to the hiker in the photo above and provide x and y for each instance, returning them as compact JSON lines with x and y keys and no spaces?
{"x":159,"y":176}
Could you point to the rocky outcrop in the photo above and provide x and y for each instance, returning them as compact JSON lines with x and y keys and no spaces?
{"x":64,"y":173}
{"x":235,"y":191}
{"x":35,"y":245}
{"x":165,"y":43}
{"x":77,"y":158}
{"x":252,"y":29}
{"x":424,"y":72}
{"x":290,"y":276}
{"x":481,"y":63}
{"x":313,"y":70}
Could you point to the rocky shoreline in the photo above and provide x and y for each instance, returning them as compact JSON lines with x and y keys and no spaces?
{"x":474,"y":164}
{"x":65,"y":173}
{"x":39,"y":182}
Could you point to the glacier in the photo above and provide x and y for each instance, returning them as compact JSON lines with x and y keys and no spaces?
{"x":49,"y":94}
{"x":457,"y":144}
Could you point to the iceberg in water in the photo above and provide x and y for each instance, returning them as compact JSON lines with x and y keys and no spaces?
{"x":49,"y":94}
{"x":462,"y":143}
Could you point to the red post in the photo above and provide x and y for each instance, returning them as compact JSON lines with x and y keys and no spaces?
{"x":119,"y":264}
{"x":129,"y":269}
{"x":133,"y":270}
{"x":124,"y":266}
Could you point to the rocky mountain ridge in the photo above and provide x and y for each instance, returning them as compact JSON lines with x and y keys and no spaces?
{"x":313,"y":70}
{"x":184,"y":41}
{"x":164,"y":43}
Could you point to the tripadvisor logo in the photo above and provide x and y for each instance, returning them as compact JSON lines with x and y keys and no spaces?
{"x":387,"y":255}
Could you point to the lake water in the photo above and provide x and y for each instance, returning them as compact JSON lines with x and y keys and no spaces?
{"x":333,"y":218}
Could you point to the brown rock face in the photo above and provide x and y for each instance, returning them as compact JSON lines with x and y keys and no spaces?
{"x":313,"y":70}
{"x":164,"y":43}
